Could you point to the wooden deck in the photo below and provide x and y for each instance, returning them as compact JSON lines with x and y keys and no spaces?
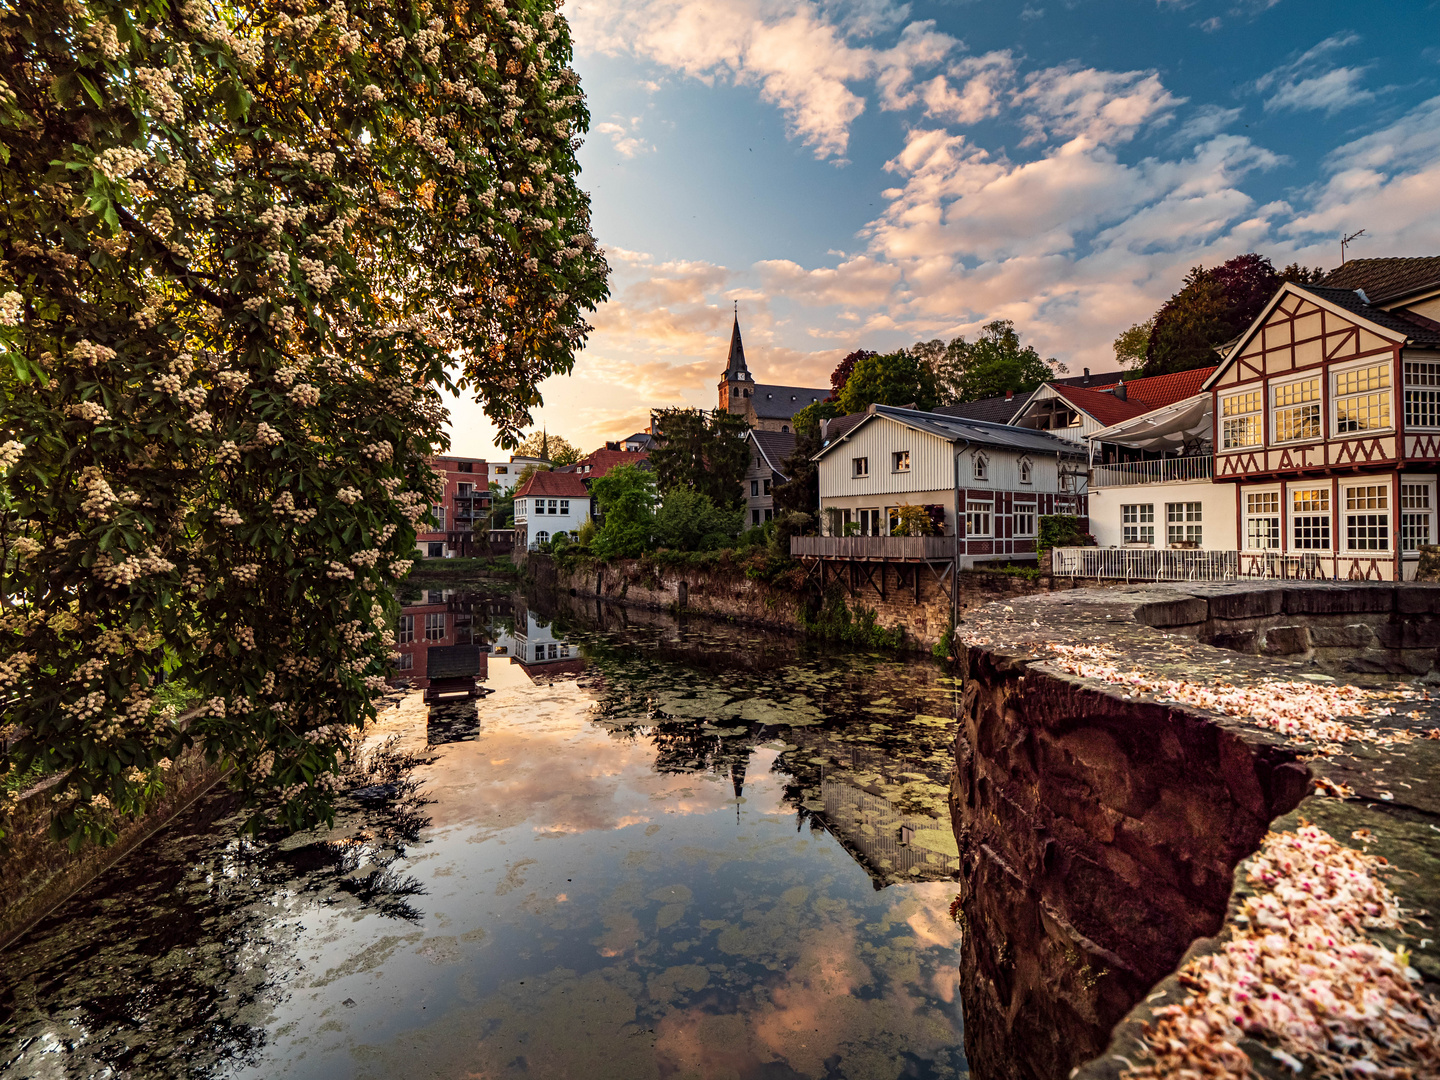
{"x":926,"y":549}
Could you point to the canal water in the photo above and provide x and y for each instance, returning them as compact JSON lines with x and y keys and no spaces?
{"x":646,"y":851}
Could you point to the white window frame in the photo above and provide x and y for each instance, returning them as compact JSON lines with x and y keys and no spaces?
{"x":1024,"y":519}
{"x":980,"y":467}
{"x":554,"y":509}
{"x":900,"y":461}
{"x":980,"y":518}
{"x":1384,"y":391}
{"x":859,"y":467}
{"x":1315,"y":520}
{"x":1247,"y":424}
{"x":1252,"y":512}
{"x":542,"y":536}
{"x":438,"y":512}
{"x":1422,"y":393}
{"x":1184,"y":523}
{"x":1027,"y":471}
{"x":1317,"y":403}
{"x":1137,"y":523}
{"x":1417,"y":514}
{"x":1353,"y":517}
{"x":564,"y":507}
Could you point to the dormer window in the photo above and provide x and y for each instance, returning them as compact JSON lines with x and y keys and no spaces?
{"x":980,"y":467}
{"x":1027,"y":469}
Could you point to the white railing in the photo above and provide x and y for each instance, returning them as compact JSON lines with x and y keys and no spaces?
{"x":1160,"y":471}
{"x":1190,"y":564}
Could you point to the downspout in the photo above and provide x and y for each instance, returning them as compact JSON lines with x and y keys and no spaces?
{"x":955,"y":570}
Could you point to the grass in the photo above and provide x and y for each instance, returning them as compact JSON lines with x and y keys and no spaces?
{"x":497,"y":566}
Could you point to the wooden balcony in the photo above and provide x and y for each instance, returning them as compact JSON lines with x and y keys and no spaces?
{"x":926,"y":549}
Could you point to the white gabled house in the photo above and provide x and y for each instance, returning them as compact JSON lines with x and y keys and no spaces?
{"x":993,"y":480}
{"x":549,"y":503}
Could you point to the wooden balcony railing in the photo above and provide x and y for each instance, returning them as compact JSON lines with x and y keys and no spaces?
{"x":917,"y":548}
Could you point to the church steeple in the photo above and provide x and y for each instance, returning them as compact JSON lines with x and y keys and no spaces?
{"x":736,"y":382}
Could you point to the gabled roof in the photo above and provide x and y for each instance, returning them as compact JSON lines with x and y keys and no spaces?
{"x":1391,"y":325}
{"x":839,"y":425}
{"x":596,"y":464}
{"x":996,"y":410}
{"x":1104,"y":408}
{"x":774,"y":447}
{"x":958,"y":429}
{"x":783,"y":402}
{"x":561,"y":485}
{"x":1157,"y":391}
{"x":1386,"y":279}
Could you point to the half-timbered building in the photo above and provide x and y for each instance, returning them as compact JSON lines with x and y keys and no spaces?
{"x":1327,"y":424}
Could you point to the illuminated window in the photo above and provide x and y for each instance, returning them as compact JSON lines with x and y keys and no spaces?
{"x":1310,"y":518}
{"x":1367,"y":518}
{"x":1297,"y":411}
{"x":1137,"y":523}
{"x":1362,"y":399}
{"x":1262,"y":520}
{"x":900,"y":461}
{"x":1240,"y":420}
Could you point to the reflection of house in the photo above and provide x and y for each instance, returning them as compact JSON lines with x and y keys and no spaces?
{"x":533,"y":645}
{"x":995,"y":480}
{"x":768,"y":451}
{"x":766,"y":407}
{"x":439,"y":619}
{"x":463,"y":508}
{"x":889,"y":844}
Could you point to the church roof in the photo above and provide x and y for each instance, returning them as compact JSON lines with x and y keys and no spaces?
{"x":783,"y":402}
{"x":735,"y":362}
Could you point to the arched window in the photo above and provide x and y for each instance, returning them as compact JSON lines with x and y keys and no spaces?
{"x":785,"y":427}
{"x":1026,"y":469}
{"x":981,"y":467}
{"x":541,"y":537}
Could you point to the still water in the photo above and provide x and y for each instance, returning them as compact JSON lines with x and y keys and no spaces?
{"x":646,"y":851}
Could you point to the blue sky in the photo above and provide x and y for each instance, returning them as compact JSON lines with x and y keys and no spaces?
{"x":866,"y":173}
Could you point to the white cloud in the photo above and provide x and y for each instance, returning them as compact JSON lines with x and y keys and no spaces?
{"x":622,"y":135}
{"x":1305,"y":83}
{"x":1102,"y":106}
{"x":985,"y":82}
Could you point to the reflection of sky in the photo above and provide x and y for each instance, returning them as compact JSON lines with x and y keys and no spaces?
{"x":583,"y":914}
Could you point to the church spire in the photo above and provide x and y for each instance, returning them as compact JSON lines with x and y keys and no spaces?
{"x":735,"y":362}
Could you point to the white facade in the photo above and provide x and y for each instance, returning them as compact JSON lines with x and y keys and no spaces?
{"x":1187,"y":513}
{"x":506,"y":476}
{"x":542,"y":516}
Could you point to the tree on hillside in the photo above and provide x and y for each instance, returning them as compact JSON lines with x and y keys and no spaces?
{"x":897,"y":378}
{"x":552,"y":448}
{"x":242,"y":246}
{"x":702,"y":451}
{"x":1212,"y":307}
{"x":993,"y":364}
{"x":841,"y":375}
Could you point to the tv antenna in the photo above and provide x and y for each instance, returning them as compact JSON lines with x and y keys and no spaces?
{"x":1345,"y":240}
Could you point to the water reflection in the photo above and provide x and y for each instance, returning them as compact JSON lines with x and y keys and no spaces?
{"x":663,"y":854}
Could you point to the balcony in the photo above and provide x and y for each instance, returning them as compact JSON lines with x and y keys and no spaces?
{"x":865,"y":548}
{"x":1177,"y":470}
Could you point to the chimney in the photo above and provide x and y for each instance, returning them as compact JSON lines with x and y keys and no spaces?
{"x":1120,"y":390}
{"x":824,"y":431}
{"x":1009,"y":394}
{"x":1087,"y":377}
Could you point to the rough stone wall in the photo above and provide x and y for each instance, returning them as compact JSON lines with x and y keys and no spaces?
{"x":1098,"y":838}
{"x":727,"y":593}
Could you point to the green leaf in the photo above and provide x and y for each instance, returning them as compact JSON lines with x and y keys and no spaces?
{"x":90,"y":89}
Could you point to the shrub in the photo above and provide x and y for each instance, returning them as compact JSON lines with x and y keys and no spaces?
{"x":1062,"y":530}
{"x":626,"y":497}
{"x":690,"y":521}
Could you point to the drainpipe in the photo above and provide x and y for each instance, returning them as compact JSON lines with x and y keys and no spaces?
{"x":955,"y":571}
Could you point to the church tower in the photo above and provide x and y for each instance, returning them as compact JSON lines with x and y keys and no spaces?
{"x":736,"y":383}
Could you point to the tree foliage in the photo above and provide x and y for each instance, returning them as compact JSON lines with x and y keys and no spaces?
{"x":841,"y":375}
{"x":242,"y":245}
{"x":552,"y":448}
{"x":626,"y":498}
{"x":690,"y":521}
{"x":1131,"y":346}
{"x":898,"y":378}
{"x":993,"y":364}
{"x":800,"y":492}
{"x":702,"y":451}
{"x":1212,"y":307}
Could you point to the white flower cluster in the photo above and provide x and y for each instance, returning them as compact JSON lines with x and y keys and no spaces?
{"x":201,"y":421}
{"x":227,"y":516}
{"x":13,"y":670}
{"x":194,"y":580}
{"x":158,"y":84}
{"x":91,"y":705}
{"x":91,"y":412}
{"x":266,"y":435}
{"x":379,"y":451}
{"x":319,"y":275}
{"x":228,"y":454}
{"x":10,"y":453}
{"x":367,"y":558}
{"x":246,"y":573}
{"x":246,"y":637}
{"x":348,"y":495}
{"x":24,"y":547}
{"x":232,"y":381}
{"x":373,"y":93}
{"x":12,"y":307}
{"x":102,"y":37}
{"x":215,"y":707}
{"x":118,"y":162}
{"x":286,"y":376}
{"x":387,"y":532}
{"x":391,"y":484}
{"x":131,"y":569}
{"x":192,"y":398}
{"x":100,"y":503}
{"x":355,"y":634}
{"x":338,"y":571}
{"x":400,"y":567}
{"x":87,"y":352}
{"x":304,"y":395}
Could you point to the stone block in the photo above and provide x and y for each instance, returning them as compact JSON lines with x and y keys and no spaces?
{"x":1351,"y":636}
{"x":1183,"y":612}
{"x":1421,"y":635}
{"x":1418,"y":661}
{"x":1388,"y":635}
{"x":1245,"y":641}
{"x":1246,"y":603}
{"x":1375,"y":662}
{"x":1287,"y":640}
{"x":1338,"y":599}
{"x":1412,"y":599}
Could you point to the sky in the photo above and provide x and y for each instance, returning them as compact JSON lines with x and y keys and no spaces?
{"x":868,"y":174}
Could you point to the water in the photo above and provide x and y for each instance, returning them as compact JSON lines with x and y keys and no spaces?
{"x":666,"y":852}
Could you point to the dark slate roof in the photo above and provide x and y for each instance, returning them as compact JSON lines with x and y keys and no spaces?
{"x":775,"y":446}
{"x":1386,"y":279}
{"x":974,"y":432}
{"x":735,"y":361}
{"x":996,"y":410}
{"x":452,"y":661}
{"x":1391,"y":320}
{"x":841,"y":424}
{"x":783,"y":402}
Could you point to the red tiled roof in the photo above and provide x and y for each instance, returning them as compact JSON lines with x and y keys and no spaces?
{"x":597,"y":464}
{"x":1106,"y":408}
{"x":560,"y":484}
{"x":1157,"y":391}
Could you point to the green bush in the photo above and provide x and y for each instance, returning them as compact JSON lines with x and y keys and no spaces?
{"x":836,"y":622}
{"x":1062,"y":530}
{"x":627,"y":499}
{"x":689,"y":520}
